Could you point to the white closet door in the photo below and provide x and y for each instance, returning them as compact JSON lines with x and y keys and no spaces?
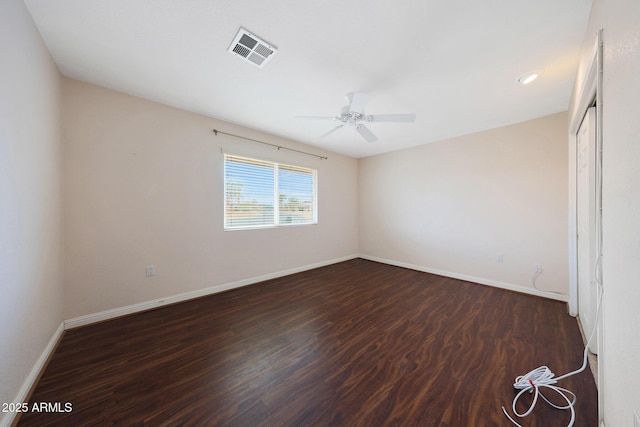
{"x":586,"y":224}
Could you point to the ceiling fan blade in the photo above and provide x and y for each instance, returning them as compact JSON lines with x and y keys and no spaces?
{"x":324,"y":135}
{"x":357,"y":101}
{"x":366,"y":133}
{"x":391,"y":118}
{"x":318,"y":117}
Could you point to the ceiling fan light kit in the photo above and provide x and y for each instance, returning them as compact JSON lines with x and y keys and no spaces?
{"x":353,"y":115}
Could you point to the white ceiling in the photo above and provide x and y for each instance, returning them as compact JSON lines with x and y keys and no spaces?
{"x":453,"y":63}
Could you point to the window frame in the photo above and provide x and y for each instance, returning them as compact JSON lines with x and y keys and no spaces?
{"x":276,"y":223}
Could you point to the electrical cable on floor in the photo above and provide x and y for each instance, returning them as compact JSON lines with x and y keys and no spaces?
{"x":533,"y":282}
{"x":542,"y":378}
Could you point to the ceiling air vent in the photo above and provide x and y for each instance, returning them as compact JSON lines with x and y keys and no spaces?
{"x":251,"y":48}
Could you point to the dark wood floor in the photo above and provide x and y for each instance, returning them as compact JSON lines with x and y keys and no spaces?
{"x":352,"y":344}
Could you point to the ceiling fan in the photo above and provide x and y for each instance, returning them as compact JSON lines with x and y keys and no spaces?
{"x":353,"y":115}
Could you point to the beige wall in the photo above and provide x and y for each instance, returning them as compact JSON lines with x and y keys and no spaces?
{"x":144,"y":186}
{"x":451,"y":206}
{"x":621,"y":201}
{"x":30,"y":209}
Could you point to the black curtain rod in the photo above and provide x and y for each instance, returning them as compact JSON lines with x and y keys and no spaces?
{"x":279,"y":147}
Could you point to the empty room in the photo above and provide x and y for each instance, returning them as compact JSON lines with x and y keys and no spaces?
{"x":223,"y":213}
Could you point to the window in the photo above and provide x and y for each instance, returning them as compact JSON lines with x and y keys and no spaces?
{"x":264,"y":194}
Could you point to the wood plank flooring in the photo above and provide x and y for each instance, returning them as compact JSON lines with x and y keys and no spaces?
{"x":352,"y":344}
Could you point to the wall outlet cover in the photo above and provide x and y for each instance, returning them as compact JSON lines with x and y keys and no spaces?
{"x":151,"y":270}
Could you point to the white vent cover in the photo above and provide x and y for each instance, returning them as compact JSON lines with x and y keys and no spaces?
{"x":251,"y":48}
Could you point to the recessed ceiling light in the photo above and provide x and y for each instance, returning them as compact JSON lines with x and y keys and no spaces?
{"x":529,"y":77}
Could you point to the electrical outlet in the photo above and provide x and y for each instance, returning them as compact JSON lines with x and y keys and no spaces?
{"x":499,"y":257}
{"x":151,"y":270}
{"x":537,"y":268}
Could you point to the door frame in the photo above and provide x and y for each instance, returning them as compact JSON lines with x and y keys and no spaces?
{"x":590,"y":91}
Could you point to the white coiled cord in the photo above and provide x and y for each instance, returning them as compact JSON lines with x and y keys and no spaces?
{"x":533,"y":382}
{"x":543,"y":378}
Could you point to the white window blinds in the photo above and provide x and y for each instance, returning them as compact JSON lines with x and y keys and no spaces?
{"x":265,"y":194}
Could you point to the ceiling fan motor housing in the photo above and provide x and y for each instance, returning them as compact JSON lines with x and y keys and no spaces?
{"x":350,"y":117}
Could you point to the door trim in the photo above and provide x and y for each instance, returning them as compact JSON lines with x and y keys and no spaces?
{"x":590,"y":90}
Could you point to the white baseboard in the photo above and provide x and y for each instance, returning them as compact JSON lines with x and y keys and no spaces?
{"x":464,"y":277}
{"x":30,"y":381}
{"x":143,"y":306}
